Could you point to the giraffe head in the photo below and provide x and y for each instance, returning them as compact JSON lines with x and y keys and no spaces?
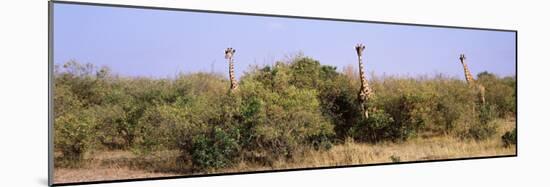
{"x":229,"y":53}
{"x":359,"y":48}
{"x":462,"y":58}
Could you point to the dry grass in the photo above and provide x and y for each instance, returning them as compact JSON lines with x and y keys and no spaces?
{"x":434,"y":148}
{"x":420,"y":149}
{"x":63,"y":175}
{"x":106,"y":165}
{"x":114,"y":165}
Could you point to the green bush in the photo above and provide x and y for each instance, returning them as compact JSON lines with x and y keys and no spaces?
{"x":157,"y":129}
{"x":217,"y":149}
{"x":277,"y":112}
{"x":509,"y":138}
{"x":412,"y":113}
{"x":321,"y":142}
{"x":487,"y":113}
{"x":380,"y":126}
{"x":112,"y":127}
{"x":73,"y":136}
{"x":481,"y":132}
{"x":483,"y":126}
{"x":278,"y":117}
{"x":398,"y":119}
{"x":86,"y":81}
{"x":305,"y":73}
{"x":73,"y":122}
{"x":338,"y":100}
{"x":452,"y":108}
{"x":499,"y":92}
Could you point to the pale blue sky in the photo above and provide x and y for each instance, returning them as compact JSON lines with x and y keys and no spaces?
{"x":161,"y":43}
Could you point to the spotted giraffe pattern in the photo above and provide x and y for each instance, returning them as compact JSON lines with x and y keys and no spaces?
{"x":478,"y":88}
{"x":365,"y":92}
{"x":229,"y":52}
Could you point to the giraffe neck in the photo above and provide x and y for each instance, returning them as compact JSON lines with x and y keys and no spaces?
{"x":365,"y":92}
{"x":362,"y":76}
{"x":467,"y":74}
{"x":232,"y":75}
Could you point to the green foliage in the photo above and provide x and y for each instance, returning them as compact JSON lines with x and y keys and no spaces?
{"x":73,"y":123}
{"x":218,"y":149}
{"x":483,"y":127}
{"x":278,"y":116}
{"x":499,"y":92}
{"x":452,"y":107}
{"x":305,"y":73}
{"x":379,"y":126}
{"x":112,"y":127}
{"x":161,"y":125}
{"x":277,"y":111}
{"x":339,"y":103}
{"x":487,"y":113}
{"x":82,"y":80}
{"x":73,"y":136}
{"x":481,"y":131}
{"x":410,"y":114}
{"x":509,"y":138}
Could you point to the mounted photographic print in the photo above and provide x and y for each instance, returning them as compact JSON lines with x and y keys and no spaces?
{"x":139,"y":93}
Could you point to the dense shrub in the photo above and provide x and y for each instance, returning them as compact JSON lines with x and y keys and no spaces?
{"x":276,"y":112}
{"x":487,"y":113}
{"x":337,"y":95}
{"x":73,"y":135}
{"x":410,"y":104}
{"x":73,"y":122}
{"x":304,"y":73}
{"x":338,"y":99}
{"x":86,"y":81}
{"x":160,"y":126}
{"x":481,"y":126}
{"x":410,"y":113}
{"x":480,"y":131}
{"x":453,"y":107}
{"x":279,"y":117}
{"x":379,"y":126}
{"x":509,"y":138}
{"x":216,"y":149}
{"x":500,"y":92}
{"x":112,"y":127}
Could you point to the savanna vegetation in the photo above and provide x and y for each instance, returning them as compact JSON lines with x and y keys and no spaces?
{"x":295,"y":113}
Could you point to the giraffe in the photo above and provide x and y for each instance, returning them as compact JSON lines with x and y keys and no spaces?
{"x":365,"y":93}
{"x":478,"y":89}
{"x":229,"y":52}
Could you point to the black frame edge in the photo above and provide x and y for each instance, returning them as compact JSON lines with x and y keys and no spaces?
{"x":50,"y":93}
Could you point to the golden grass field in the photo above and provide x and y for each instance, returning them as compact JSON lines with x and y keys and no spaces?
{"x":112,"y":165}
